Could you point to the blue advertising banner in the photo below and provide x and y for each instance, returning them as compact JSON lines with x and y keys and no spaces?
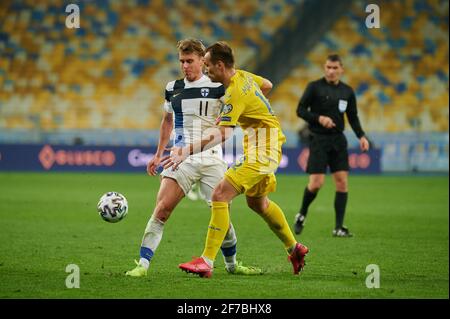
{"x":57,"y":158}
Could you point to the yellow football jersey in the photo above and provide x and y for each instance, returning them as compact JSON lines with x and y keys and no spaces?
{"x":246,"y":105}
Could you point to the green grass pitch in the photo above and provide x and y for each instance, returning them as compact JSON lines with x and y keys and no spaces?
{"x":48,"y":221}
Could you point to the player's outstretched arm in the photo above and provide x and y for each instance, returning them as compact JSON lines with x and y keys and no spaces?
{"x":266,"y":86}
{"x":212,"y":137}
{"x":165,"y":130}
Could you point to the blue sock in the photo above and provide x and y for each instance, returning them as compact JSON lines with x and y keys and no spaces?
{"x":229,"y":256}
{"x":228,"y":251}
{"x":146,"y":256}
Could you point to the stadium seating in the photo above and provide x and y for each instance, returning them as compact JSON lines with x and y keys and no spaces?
{"x":112,"y":71}
{"x":399,"y":72}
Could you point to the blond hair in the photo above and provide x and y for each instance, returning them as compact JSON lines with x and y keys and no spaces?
{"x":191,"y":45}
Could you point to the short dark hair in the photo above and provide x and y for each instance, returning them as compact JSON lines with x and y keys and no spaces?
{"x":221,"y":51}
{"x":334,"y":58}
{"x":191,"y":45}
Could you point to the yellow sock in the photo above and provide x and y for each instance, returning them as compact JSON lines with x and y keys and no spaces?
{"x":217,"y":229}
{"x":276,"y":220}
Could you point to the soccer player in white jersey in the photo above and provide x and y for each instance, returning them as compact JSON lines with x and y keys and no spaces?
{"x":192,"y":105}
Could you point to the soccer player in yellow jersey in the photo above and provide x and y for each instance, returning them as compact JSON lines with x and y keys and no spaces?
{"x":245,"y":104}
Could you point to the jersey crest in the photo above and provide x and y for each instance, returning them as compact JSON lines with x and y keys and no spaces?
{"x":204,"y":92}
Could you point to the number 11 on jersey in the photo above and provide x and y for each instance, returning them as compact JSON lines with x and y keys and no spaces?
{"x":201,"y":108}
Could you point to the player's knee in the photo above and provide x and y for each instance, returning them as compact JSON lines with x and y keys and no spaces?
{"x":341,"y":184}
{"x":218,"y":195}
{"x":315,"y":186}
{"x":259,"y":207}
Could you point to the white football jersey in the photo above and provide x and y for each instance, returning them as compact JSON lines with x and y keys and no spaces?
{"x":196,"y":106}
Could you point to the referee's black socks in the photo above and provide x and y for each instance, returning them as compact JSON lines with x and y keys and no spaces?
{"x":308,"y":197}
{"x":340,"y":202}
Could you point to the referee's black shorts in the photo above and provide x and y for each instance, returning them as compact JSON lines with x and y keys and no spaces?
{"x":327,"y":150}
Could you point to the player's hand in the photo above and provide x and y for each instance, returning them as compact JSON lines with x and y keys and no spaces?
{"x":153,"y":164}
{"x":326,"y":121}
{"x":176,"y":157}
{"x":364,"y":144}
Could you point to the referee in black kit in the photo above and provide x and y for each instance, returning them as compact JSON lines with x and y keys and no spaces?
{"x":323,"y":105}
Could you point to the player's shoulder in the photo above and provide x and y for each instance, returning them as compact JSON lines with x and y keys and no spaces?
{"x":243,"y":76}
{"x":314,"y":86}
{"x":346,"y":86}
{"x":174,"y":85}
{"x":241,"y":72}
{"x":317,"y":82}
{"x":238,"y":80}
{"x":206,"y":81}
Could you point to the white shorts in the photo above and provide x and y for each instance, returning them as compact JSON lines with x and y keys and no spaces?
{"x":208,"y":172}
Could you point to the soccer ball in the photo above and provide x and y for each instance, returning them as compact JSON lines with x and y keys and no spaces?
{"x":112,"y":207}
